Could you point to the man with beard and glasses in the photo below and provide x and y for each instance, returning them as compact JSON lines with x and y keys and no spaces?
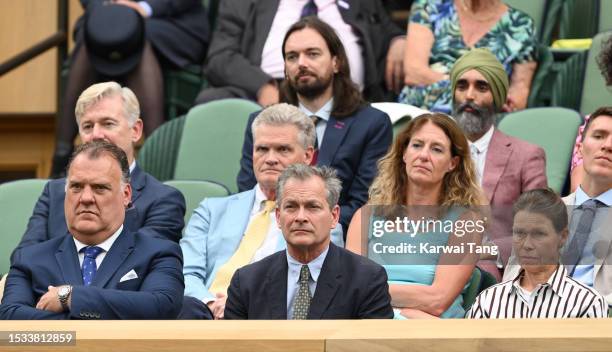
{"x":351,"y":135}
{"x":506,"y":166}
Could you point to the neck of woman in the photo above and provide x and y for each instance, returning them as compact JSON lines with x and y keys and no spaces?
{"x":480,"y":6}
{"x":423,"y":195}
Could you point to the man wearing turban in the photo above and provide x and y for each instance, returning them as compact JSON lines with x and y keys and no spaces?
{"x":506,"y":166}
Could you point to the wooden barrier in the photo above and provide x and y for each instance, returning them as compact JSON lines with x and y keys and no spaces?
{"x":331,"y":336}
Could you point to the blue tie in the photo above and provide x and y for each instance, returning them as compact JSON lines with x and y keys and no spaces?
{"x":89,"y":264}
{"x":310,"y":9}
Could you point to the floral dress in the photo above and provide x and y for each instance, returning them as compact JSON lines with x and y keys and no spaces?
{"x":512,"y":40}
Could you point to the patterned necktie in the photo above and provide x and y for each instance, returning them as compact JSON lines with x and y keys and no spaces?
{"x":301,"y":304}
{"x":310,"y":9}
{"x":315,"y":119}
{"x":251,"y":241}
{"x":574,"y":251}
{"x":89,"y":264}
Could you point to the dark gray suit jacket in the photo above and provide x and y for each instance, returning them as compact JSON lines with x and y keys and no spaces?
{"x":349,"y":287}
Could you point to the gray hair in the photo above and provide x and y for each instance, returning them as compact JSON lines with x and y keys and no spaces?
{"x":94,"y":93}
{"x":303,"y":172}
{"x":285,"y":114}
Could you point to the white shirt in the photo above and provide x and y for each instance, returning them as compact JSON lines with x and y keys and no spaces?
{"x":270,"y":243}
{"x":106,"y":246}
{"x":323,"y":114}
{"x":288,"y":13}
{"x":478,"y":151}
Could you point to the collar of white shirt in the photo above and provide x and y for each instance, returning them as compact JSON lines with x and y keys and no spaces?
{"x":106,"y":245}
{"x":483,"y":142}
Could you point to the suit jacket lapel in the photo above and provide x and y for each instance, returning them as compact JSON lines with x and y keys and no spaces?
{"x":327,"y":285}
{"x":276,"y":288}
{"x":138,"y":182}
{"x":119,"y":251}
{"x":335,"y":131}
{"x":498,"y":155}
{"x":68,"y":261}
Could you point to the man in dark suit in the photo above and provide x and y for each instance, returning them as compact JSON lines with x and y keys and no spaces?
{"x":351,"y":135}
{"x":103,"y":270}
{"x":106,"y":111}
{"x":244,"y":60}
{"x":313,"y":278}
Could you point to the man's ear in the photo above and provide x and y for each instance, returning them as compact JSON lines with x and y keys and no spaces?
{"x":335,"y":64}
{"x":137,"y":129}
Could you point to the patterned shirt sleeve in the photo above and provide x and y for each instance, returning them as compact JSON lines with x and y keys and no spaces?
{"x":523,"y":29}
{"x":421,"y":12}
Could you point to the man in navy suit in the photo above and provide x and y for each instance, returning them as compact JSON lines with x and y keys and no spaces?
{"x":312,"y":278}
{"x":103,"y":270}
{"x":106,"y":111}
{"x":351,"y":135}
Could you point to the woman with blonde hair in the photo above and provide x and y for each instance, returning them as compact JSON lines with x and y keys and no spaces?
{"x":429,"y":177}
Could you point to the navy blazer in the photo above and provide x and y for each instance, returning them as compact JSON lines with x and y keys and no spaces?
{"x":156,"y":209}
{"x":351,"y":145}
{"x":156,"y":292}
{"x":350,"y":286}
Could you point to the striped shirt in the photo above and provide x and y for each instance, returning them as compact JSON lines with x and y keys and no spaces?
{"x":560,"y":297}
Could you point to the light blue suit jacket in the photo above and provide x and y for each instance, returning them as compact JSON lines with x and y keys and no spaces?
{"x":212,"y":236}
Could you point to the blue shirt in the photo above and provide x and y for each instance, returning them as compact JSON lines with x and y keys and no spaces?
{"x":293,"y":277}
{"x":585,"y":272}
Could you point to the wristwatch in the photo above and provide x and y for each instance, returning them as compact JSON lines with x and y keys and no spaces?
{"x":63,"y":293}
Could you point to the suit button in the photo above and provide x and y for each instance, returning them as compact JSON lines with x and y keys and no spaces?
{"x":81,"y":314}
{"x":97,"y":315}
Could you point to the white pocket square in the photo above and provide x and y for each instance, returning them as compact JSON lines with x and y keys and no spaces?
{"x":129,"y":276}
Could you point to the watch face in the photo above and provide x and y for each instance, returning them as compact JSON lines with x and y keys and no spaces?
{"x":63,"y":291}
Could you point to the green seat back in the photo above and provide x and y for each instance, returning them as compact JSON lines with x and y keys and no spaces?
{"x":605,"y":16}
{"x":472,"y":290}
{"x":579,"y":19}
{"x":399,"y":125}
{"x":17,"y":200}
{"x":540,"y":91}
{"x":595,"y":93}
{"x":158,"y":154}
{"x":553,"y":129}
{"x":195,"y":191}
{"x":211,"y":145}
{"x":543,"y":13}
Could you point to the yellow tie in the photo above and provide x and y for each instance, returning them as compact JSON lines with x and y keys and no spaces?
{"x":252,"y":240}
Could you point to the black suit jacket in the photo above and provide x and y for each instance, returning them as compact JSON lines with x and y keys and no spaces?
{"x":351,"y":145}
{"x":157,"y":210}
{"x":349,"y":287}
{"x":234,"y":55}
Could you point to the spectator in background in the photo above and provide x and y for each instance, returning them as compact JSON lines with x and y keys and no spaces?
{"x":428,"y":173}
{"x":245,"y":58}
{"x":440,"y":31}
{"x":506,"y":166}
{"x":350,"y":135}
{"x":131,"y":42}
{"x":542,"y":288}
{"x":604,"y":61}
{"x":106,"y":111}
{"x":222,"y":234}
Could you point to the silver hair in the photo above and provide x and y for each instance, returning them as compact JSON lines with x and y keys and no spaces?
{"x":286,"y":114}
{"x":94,"y":93}
{"x":303,"y":172}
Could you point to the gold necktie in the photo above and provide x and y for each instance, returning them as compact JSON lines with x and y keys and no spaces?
{"x":251,"y":241}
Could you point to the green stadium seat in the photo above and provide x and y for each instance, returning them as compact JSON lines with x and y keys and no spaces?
{"x":158,"y":154}
{"x":470,"y":293}
{"x":195,"y":191}
{"x":211,"y":144}
{"x":553,"y":129}
{"x":17,"y":200}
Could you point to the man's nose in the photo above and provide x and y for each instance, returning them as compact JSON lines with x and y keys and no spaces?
{"x":86,"y":195}
{"x":98,"y":132}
